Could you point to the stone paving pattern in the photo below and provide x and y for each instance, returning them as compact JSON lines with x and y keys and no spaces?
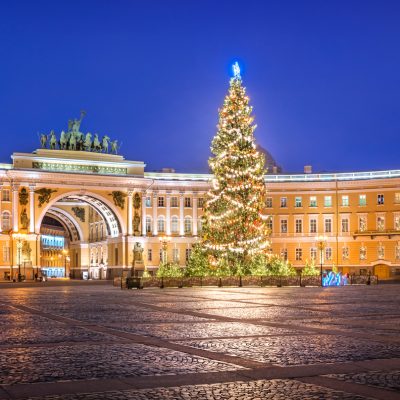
{"x":100,"y":342}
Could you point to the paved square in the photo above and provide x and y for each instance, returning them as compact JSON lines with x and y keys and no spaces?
{"x":97,"y":342}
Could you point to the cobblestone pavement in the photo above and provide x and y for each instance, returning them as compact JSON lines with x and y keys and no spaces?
{"x":100,"y":342}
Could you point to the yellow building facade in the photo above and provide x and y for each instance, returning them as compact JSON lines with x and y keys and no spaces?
{"x":84,"y":214}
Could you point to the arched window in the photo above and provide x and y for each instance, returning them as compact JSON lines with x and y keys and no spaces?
{"x":161,"y":224}
{"x":6,"y":221}
{"x":174,"y":224}
{"x":148,"y":224}
{"x":188,"y":225}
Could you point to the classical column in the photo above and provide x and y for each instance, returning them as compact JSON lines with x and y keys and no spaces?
{"x":168,"y":215}
{"x":130,"y":227}
{"x":15,"y":215}
{"x":32,"y":209}
{"x":144,"y":214}
{"x":181,"y":215}
{"x":155,"y":204}
{"x":194,"y":223}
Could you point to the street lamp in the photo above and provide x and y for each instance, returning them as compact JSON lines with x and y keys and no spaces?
{"x":65,"y":253}
{"x":164,"y":240}
{"x":20,"y":238}
{"x":321,"y":241}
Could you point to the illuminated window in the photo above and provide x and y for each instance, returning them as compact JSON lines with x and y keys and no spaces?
{"x":299,"y":226}
{"x":174,"y":202}
{"x":188,"y":202}
{"x":298,"y":202}
{"x":6,"y":254}
{"x":345,"y":253}
{"x":148,"y":224}
{"x":5,"y":195}
{"x":313,"y":225}
{"x":284,"y":254}
{"x":188,"y":225}
{"x":362,"y":200}
{"x":268,"y":202}
{"x":161,"y":224}
{"x":283,"y":225}
{"x":313,"y":201}
{"x":380,"y":223}
{"x":345,"y":225}
{"x":269,"y":224}
{"x":175,"y":255}
{"x":345,"y":201}
{"x":299,"y":254}
{"x":397,"y":222}
{"x":328,"y":225}
{"x":397,"y":251}
{"x":328,"y":253}
{"x":381,"y":199}
{"x":283,"y":202}
{"x":199,"y":225}
{"x":6,"y":221}
{"x":161,"y":202}
{"x":148,"y":201}
{"x":381,"y":251}
{"x":363,"y":253}
{"x":328,"y":201}
{"x":397,"y":198}
{"x":174,"y":224}
{"x":362,"y":224}
{"x":313,"y":253}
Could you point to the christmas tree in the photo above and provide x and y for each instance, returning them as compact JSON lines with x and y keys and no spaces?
{"x":235,"y":231}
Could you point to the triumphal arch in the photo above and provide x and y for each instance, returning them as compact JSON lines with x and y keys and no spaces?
{"x":76,"y":208}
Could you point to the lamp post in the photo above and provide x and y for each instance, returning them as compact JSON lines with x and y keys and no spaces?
{"x":164,"y":240}
{"x":321,"y":241}
{"x":19,"y":237}
{"x":65,"y":254}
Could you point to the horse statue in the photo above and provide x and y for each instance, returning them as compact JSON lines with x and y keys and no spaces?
{"x":96,"y":145}
{"x":87,"y":144}
{"x":104,"y":143}
{"x":114,"y":146}
{"x":53,"y":140}
{"x":63,"y":141}
{"x":43,"y":140}
{"x":72,"y":142}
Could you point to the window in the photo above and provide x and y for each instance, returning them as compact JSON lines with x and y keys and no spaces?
{"x":283,"y":202}
{"x":362,"y":200}
{"x":149,"y":255}
{"x":345,"y":225}
{"x":161,"y":224}
{"x":269,"y":224}
{"x":283,"y":225}
{"x":345,"y":253}
{"x":5,"y":195}
{"x":380,"y":223}
{"x":284,"y":254}
{"x":328,"y":253}
{"x":175,"y":255}
{"x":174,"y":202}
{"x":381,"y":199}
{"x":6,"y":254}
{"x":161,"y":201}
{"x":313,"y":253}
{"x":313,"y":225}
{"x":297,"y":202}
{"x":188,"y":202}
{"x":328,"y":225}
{"x":397,"y":222}
{"x":6,"y":221}
{"x":328,"y":201}
{"x":397,"y":251}
{"x":163,"y":256}
{"x":363,"y":253}
{"x":299,"y":225}
{"x":362,"y":224}
{"x":268,"y":202}
{"x":200,"y":202}
{"x":345,"y":201}
{"x":299,"y":254}
{"x":188,"y":252}
{"x":188,"y":225}
{"x":148,"y":201}
{"x":381,"y":251}
{"x":313,"y":201}
{"x":148,"y":225}
{"x":397,"y":198}
{"x":199,"y":225}
{"x":174,"y":224}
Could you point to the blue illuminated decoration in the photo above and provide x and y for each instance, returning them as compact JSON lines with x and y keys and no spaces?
{"x":53,"y":241}
{"x":236,"y":70}
{"x":334,"y":279}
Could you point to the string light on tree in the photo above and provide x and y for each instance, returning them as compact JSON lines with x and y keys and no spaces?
{"x":234,"y":228}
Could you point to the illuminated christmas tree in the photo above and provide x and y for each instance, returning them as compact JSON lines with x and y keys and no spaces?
{"x":235,"y":231}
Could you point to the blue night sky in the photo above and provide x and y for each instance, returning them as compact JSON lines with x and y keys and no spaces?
{"x":323,"y":77}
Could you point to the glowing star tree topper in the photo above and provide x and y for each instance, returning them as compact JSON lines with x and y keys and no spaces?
{"x":236,"y":70}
